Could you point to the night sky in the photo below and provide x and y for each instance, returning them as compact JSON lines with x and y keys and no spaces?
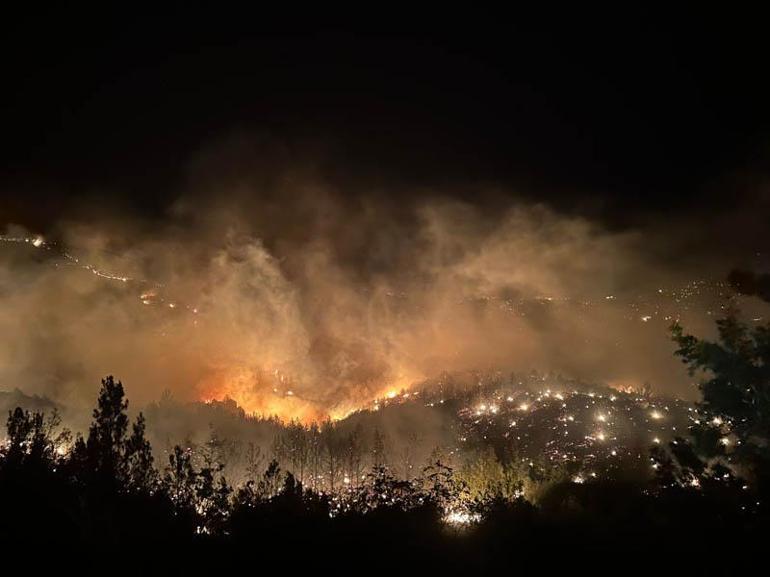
{"x":434,"y":290}
{"x":606,"y":114}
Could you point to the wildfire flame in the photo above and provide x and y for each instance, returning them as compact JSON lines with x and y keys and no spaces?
{"x":266,"y":393}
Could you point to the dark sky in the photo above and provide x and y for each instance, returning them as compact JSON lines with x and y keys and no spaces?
{"x":608,"y":113}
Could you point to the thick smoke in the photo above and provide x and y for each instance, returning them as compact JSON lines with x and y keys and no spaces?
{"x":298,"y":298}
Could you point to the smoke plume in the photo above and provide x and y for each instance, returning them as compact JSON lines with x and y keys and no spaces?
{"x":304,"y":299}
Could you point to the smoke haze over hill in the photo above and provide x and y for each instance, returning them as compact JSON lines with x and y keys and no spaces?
{"x":299,"y":297}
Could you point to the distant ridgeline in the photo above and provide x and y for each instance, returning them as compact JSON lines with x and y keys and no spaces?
{"x":9,"y":400}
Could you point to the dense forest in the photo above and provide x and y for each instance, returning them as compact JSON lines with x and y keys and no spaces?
{"x":335,"y":497}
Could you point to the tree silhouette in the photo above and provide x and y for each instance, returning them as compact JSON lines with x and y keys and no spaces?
{"x":212,"y":498}
{"x":379,"y":457}
{"x":140,"y":474}
{"x":107,"y":434}
{"x":441,"y":486}
{"x":735,"y":399}
{"x":32,"y":441}
{"x":270,"y":484}
{"x":334,"y":451}
{"x":354,"y":451}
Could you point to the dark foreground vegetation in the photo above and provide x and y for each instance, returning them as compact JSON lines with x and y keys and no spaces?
{"x":101,"y":502}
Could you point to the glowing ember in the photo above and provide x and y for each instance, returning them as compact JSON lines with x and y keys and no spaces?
{"x":461,"y":518}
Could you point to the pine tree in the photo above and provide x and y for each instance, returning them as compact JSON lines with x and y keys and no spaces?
{"x":139,"y":470}
{"x":180,"y":479}
{"x":270,"y":484}
{"x":107,"y":434}
{"x":735,"y":429}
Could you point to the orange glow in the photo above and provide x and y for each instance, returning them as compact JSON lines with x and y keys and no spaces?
{"x":272,"y":394}
{"x":258,"y":393}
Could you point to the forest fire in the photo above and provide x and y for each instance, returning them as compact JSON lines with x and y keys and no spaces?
{"x":257,"y":392}
{"x":482,"y":299}
{"x":239,"y":325}
{"x":268,"y":394}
